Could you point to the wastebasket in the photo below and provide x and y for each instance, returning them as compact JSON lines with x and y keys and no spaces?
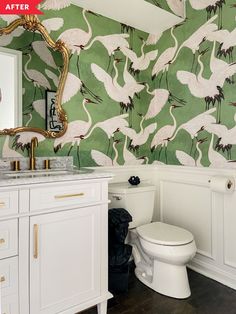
{"x":119,"y":252}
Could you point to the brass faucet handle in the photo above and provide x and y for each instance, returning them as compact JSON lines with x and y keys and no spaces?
{"x":33,"y":145}
{"x":47,"y":165}
{"x":16,"y":165}
{"x":34,"y":141}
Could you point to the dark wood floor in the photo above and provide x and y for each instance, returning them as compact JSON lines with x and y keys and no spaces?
{"x":208,"y":297}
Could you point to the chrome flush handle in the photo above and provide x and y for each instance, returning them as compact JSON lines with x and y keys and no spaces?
{"x":117,"y":198}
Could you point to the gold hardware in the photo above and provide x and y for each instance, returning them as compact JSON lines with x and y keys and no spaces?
{"x":36,"y":231}
{"x":16,"y":165}
{"x":2,"y":279}
{"x":2,"y":241}
{"x":32,"y":23}
{"x":2,"y":204}
{"x":47,"y":164}
{"x":68,"y":195}
{"x":33,"y":145}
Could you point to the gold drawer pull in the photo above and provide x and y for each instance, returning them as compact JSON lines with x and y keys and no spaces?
{"x":68,"y":196}
{"x":2,"y":204}
{"x":36,"y":241}
{"x":2,"y":279}
{"x":2,"y":241}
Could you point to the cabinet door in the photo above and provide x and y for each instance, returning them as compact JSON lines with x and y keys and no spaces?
{"x":65,"y":259}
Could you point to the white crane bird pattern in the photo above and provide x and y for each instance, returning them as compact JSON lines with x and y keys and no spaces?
{"x":140,"y":79}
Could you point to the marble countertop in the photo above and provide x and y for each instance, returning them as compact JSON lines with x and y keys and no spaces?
{"x":10,"y":178}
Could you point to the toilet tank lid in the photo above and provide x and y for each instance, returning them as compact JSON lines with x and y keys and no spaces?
{"x":164,"y":234}
{"x":127,"y":188}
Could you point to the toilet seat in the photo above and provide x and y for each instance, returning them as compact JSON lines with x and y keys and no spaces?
{"x":164,"y":234}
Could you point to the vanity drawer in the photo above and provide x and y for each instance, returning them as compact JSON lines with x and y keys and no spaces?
{"x":8,"y":202}
{"x":8,"y":238}
{"x":9,"y":276}
{"x":10,"y":305}
{"x":71,"y":194}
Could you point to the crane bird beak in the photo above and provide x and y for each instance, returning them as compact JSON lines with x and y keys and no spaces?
{"x":203,"y":51}
{"x":176,"y":106}
{"x":180,"y":24}
{"x":89,"y":101}
{"x":202,"y":140}
{"x":118,"y":60}
{"x":91,"y":12}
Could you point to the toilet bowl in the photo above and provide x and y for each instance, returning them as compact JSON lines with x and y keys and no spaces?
{"x":160,"y":251}
{"x":170,"y":249}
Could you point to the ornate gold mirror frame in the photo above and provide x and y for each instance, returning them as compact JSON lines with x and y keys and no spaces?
{"x":32,"y":23}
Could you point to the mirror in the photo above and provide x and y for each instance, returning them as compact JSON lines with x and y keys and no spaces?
{"x":44,"y":65}
{"x":10,"y":102}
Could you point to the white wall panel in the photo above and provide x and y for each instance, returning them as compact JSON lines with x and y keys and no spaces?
{"x":190,"y":207}
{"x":230,"y":230}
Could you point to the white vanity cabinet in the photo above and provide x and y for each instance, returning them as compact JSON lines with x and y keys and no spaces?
{"x":55,"y":259}
{"x":65,"y":259}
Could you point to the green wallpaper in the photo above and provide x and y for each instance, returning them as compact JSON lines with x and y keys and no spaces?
{"x":130,"y":102}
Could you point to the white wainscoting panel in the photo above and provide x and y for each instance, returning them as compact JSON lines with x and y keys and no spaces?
{"x":184,"y":198}
{"x":189,"y":206}
{"x":229,"y":224}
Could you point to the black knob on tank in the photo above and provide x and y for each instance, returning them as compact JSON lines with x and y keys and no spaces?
{"x":134,"y":180}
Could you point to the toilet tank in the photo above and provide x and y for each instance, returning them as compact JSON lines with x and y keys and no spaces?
{"x":138,"y":200}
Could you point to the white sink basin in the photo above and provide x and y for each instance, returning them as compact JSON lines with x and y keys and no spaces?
{"x":38,"y":173}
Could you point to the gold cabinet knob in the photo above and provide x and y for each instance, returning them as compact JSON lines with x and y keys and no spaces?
{"x":2,"y":204}
{"x":2,"y":241}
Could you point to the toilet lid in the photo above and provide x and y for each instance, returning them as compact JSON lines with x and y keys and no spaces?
{"x":164,"y":234}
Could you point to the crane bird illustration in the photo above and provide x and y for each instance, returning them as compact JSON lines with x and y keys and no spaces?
{"x":211,"y":7}
{"x":187,"y":160}
{"x":76,"y":39}
{"x":111,"y":43}
{"x":211,"y":90}
{"x":142,"y":62}
{"x":102,"y":159}
{"x":139,"y":138}
{"x":75,"y":131}
{"x":163,"y":135}
{"x":118,"y":93}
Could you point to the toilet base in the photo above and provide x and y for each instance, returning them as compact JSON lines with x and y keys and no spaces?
{"x":170,"y":280}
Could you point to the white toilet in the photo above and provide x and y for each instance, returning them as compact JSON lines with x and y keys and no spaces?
{"x":160,"y":251}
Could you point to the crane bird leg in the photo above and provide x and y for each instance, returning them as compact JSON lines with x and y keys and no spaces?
{"x":34,"y":94}
{"x":167,"y":81}
{"x":175,"y":98}
{"x":159,"y":84}
{"x":159,"y":155}
{"x":68,"y":154}
{"x":166,"y":155}
{"x":77,"y":64}
{"x":85,"y":89}
{"x":78,"y":155}
{"x":109,"y":145}
{"x":191,"y":146}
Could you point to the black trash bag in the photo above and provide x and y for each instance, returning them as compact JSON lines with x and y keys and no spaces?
{"x":119,"y":255}
{"x":119,"y":280}
{"x":118,"y":223}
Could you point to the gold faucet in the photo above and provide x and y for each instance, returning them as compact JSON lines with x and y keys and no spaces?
{"x":33,"y":145}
